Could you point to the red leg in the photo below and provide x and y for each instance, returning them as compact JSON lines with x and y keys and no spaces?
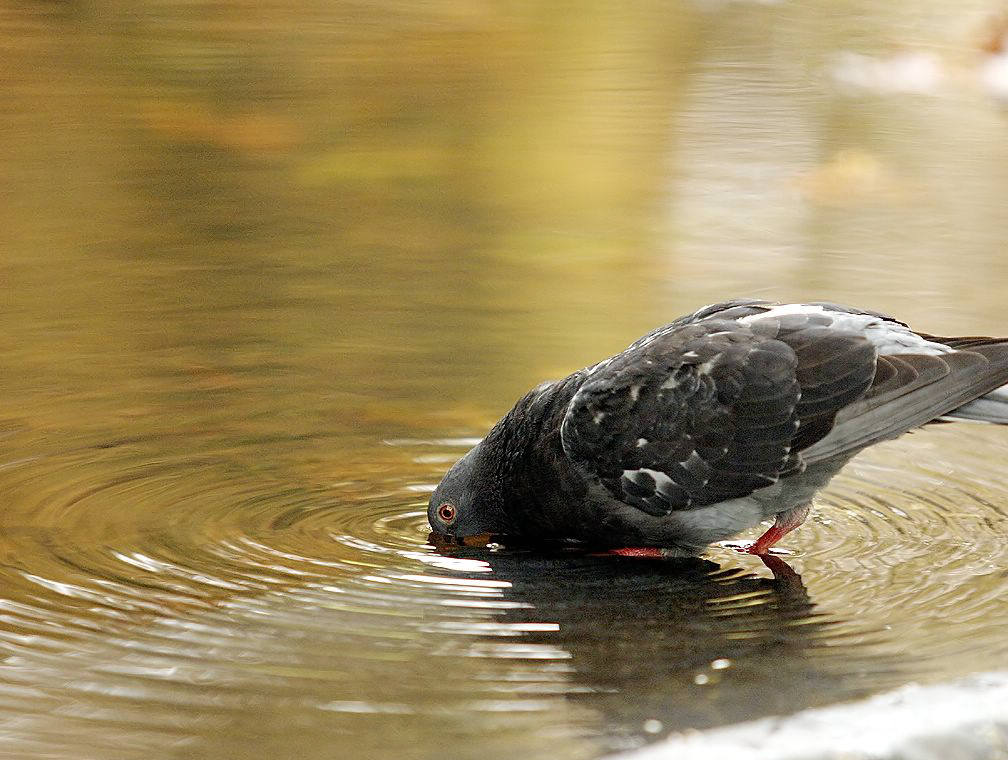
{"x":784,"y":523}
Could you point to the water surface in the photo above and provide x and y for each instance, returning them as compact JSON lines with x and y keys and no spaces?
{"x":269,"y":269}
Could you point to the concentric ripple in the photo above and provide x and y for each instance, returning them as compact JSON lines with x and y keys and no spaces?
{"x":204,"y":600}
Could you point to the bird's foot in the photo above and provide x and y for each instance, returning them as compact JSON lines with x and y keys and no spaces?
{"x":784,"y":523}
{"x":646,"y":552}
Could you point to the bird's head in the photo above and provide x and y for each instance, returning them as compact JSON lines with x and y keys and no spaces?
{"x":467,"y":502}
{"x":497,"y":488}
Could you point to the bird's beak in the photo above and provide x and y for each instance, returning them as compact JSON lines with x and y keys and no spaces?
{"x":440,"y":540}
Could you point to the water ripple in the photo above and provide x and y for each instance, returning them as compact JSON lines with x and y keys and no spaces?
{"x":176,"y":595}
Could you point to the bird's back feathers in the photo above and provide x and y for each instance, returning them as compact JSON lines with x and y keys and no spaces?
{"x":736,"y":396}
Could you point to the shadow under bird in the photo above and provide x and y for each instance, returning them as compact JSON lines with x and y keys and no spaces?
{"x":707,"y":426}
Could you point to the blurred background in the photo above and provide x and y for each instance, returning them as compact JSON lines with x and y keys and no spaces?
{"x":268,"y":268}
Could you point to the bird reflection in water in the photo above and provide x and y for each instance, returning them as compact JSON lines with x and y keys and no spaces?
{"x":661,"y":645}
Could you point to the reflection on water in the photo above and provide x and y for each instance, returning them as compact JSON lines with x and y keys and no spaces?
{"x":706,"y":642}
{"x":268,"y":270}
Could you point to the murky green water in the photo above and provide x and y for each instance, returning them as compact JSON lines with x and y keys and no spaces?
{"x":269,"y":268}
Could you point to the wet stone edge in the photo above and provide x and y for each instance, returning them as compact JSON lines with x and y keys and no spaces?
{"x":965,"y":719}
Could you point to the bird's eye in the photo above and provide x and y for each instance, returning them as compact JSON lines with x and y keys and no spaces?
{"x":447,"y":513}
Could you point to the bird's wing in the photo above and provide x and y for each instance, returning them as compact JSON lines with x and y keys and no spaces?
{"x":918,"y":378}
{"x":910,"y":390}
{"x":713,"y":409}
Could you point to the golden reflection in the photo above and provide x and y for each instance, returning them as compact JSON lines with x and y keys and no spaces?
{"x":267,"y":270}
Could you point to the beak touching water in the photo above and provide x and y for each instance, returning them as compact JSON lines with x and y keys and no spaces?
{"x":443,"y":541}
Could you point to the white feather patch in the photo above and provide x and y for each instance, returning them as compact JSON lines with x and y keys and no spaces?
{"x":888,"y":337}
{"x":784,"y":310}
{"x":662,"y":481}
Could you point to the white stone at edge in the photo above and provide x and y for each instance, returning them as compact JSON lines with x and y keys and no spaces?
{"x":962,"y":720}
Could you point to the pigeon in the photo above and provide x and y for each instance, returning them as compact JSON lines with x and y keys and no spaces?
{"x":705,"y":427}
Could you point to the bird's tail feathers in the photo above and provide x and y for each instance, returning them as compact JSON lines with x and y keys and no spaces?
{"x":993,"y":407}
